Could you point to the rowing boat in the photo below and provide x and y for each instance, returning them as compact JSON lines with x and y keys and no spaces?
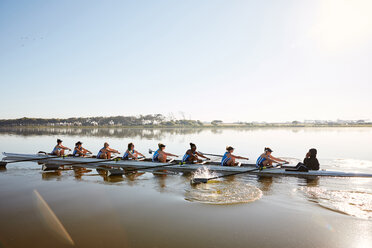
{"x":114,"y":167}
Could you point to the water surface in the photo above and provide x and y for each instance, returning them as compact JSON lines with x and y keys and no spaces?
{"x":73,"y":208}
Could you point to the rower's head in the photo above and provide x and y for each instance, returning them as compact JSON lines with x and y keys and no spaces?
{"x":59,"y":141}
{"x":267,"y":150}
{"x":161,"y":146}
{"x":130,"y":146}
{"x":313,"y":152}
{"x":78,"y":144}
{"x":106,"y":145}
{"x":193,"y":147}
{"x":230,"y":149}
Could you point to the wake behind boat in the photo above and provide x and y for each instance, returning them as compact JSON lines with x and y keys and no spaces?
{"x":115,"y":167}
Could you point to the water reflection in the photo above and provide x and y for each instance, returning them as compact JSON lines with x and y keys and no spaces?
{"x":158,"y":133}
{"x":104,"y":132}
{"x":265,"y":183}
{"x":309,"y":181}
{"x":51,"y":175}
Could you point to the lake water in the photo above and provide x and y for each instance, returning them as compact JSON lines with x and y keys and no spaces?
{"x":69,"y":208}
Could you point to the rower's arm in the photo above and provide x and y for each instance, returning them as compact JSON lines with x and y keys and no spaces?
{"x":131,"y":155}
{"x":277,"y":159}
{"x":170,"y":154}
{"x":65,"y":148}
{"x":113,"y":150}
{"x":238,"y":157}
{"x":201,"y":155}
{"x":139,"y":153}
{"x":86,"y":150}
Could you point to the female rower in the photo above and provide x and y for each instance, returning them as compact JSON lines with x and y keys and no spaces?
{"x":106,"y":151}
{"x":59,"y":149}
{"x":160,"y":155}
{"x":229,"y":160}
{"x":192,"y":156}
{"x":130,"y":153}
{"x":266,"y":159}
{"x":79,"y":150}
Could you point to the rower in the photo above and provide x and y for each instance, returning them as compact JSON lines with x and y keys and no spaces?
{"x":160,"y":155}
{"x":266,"y":159}
{"x":106,"y":151}
{"x":79,"y":150}
{"x":59,"y":149}
{"x":192,"y":156}
{"x":130,"y":153}
{"x":229,"y":160}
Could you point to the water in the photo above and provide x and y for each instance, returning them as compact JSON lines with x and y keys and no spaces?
{"x":85,"y":208}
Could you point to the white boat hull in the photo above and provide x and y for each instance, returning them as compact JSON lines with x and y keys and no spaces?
{"x":138,"y":165}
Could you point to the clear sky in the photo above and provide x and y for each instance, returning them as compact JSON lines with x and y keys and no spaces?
{"x":230,"y":60}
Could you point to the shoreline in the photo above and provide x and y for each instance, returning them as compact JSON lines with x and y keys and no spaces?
{"x":195,"y":127}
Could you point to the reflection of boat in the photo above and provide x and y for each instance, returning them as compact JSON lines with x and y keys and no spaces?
{"x":50,"y":175}
{"x":116,"y":167}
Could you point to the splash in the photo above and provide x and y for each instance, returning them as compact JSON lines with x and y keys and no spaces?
{"x":223,"y":193}
{"x":203,"y":172}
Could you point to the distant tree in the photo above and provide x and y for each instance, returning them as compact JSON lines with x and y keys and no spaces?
{"x":216,"y":122}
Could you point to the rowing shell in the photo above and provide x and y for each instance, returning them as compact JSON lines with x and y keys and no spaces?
{"x":132,"y":164}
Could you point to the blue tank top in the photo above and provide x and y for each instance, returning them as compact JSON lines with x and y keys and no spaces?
{"x":126,"y":154}
{"x":186,"y":157}
{"x":260,"y":161}
{"x":75,"y":151}
{"x":155,"y":157}
{"x":100,"y":152}
{"x":224,"y":159}
{"x":55,"y":149}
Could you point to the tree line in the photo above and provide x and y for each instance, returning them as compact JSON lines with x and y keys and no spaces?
{"x":141,"y":120}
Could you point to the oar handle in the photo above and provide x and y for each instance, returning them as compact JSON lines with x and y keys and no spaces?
{"x":211,"y":154}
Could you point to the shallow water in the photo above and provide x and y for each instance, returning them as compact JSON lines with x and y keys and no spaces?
{"x":85,"y":208}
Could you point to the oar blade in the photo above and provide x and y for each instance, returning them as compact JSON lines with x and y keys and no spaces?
{"x":199,"y":180}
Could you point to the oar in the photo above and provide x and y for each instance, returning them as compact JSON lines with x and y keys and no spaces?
{"x":151,"y":167}
{"x":210,"y":154}
{"x":92,"y":162}
{"x":3,"y":163}
{"x":205,"y":180}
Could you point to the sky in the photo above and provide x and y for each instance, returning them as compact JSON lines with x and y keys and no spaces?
{"x":227,"y":60}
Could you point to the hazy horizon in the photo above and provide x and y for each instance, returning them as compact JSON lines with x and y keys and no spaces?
{"x":246,"y":61}
{"x":181,"y":117}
